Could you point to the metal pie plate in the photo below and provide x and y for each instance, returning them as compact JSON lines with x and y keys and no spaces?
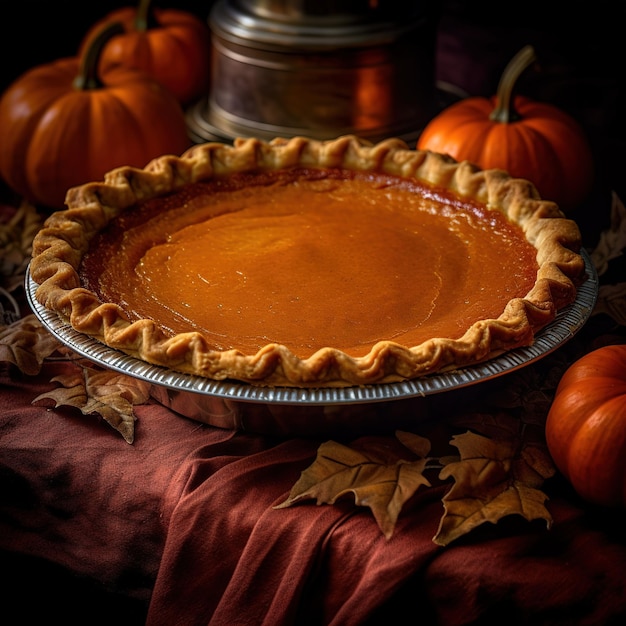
{"x":223,"y":403}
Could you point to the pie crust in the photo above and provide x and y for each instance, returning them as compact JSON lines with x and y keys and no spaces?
{"x":68,"y":237}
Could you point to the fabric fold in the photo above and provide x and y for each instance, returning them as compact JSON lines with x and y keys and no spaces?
{"x":231,"y":558}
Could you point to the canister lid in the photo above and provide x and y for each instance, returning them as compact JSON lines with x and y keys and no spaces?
{"x":313,"y":25}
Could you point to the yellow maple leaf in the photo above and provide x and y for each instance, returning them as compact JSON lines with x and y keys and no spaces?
{"x":492,"y":479}
{"x":382,"y":485}
{"x":26,"y":344}
{"x":107,"y":393}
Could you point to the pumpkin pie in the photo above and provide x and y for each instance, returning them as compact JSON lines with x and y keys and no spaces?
{"x":302,"y":263}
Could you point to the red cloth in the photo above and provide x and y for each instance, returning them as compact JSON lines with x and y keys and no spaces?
{"x":75,"y":493}
{"x":184,"y":520}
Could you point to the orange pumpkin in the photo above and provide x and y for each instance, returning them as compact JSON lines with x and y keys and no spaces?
{"x":529,"y":139}
{"x":63,"y":125}
{"x":171,"y":45}
{"x":586,"y":426}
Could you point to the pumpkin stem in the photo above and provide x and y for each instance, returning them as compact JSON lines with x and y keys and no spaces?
{"x":88,"y":77}
{"x":504,"y":111}
{"x":144,"y":19}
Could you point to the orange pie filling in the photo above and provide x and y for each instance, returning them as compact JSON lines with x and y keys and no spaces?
{"x":311,"y":258}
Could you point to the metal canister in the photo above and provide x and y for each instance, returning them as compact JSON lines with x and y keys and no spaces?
{"x":318,"y":68}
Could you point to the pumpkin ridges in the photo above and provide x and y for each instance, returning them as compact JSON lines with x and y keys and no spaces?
{"x":567,"y":184}
{"x":23,"y":109}
{"x":542,"y":112}
{"x":56,"y":127}
{"x":582,"y":399}
{"x":498,"y":151}
{"x":447,"y":144}
{"x":551,"y":182}
{"x":56,"y":136}
{"x":577,"y":155}
{"x":501,"y":148}
{"x":141,"y":112}
{"x":606,"y":362}
{"x":152,"y":53}
{"x":570,"y":400}
{"x":173,"y":138}
{"x":469,"y":107}
{"x":594,"y":467}
{"x":119,"y":116}
{"x":586,"y":425}
{"x":458,"y":116}
{"x":132,"y":51}
{"x":497,"y":140}
{"x":164,"y":65}
{"x":183,"y":69}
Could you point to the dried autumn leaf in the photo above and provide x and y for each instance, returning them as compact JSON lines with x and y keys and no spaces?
{"x":9,"y":308}
{"x":493,"y":479}
{"x":501,"y":426}
{"x":420,"y":446}
{"x":26,"y":344}
{"x":612,"y":302}
{"x":107,"y":393}
{"x":382,"y":485}
{"x":497,"y":426}
{"x":613,"y":240}
{"x":16,"y":239}
{"x":530,"y":391}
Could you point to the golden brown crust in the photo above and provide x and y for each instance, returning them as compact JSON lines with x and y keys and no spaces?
{"x":60,"y":245}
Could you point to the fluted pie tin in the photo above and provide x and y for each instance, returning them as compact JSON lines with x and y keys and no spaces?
{"x":328,"y":411}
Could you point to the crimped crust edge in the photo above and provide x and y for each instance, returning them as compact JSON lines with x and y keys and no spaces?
{"x":59,"y":246}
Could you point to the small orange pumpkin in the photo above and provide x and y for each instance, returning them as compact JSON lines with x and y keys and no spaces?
{"x":532,"y":140}
{"x":171,"y":45}
{"x":63,"y":125}
{"x":586,"y":426}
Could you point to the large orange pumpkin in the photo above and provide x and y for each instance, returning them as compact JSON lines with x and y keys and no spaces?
{"x":586,"y":426}
{"x":171,"y":45}
{"x":62,"y":124}
{"x":529,"y":139}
